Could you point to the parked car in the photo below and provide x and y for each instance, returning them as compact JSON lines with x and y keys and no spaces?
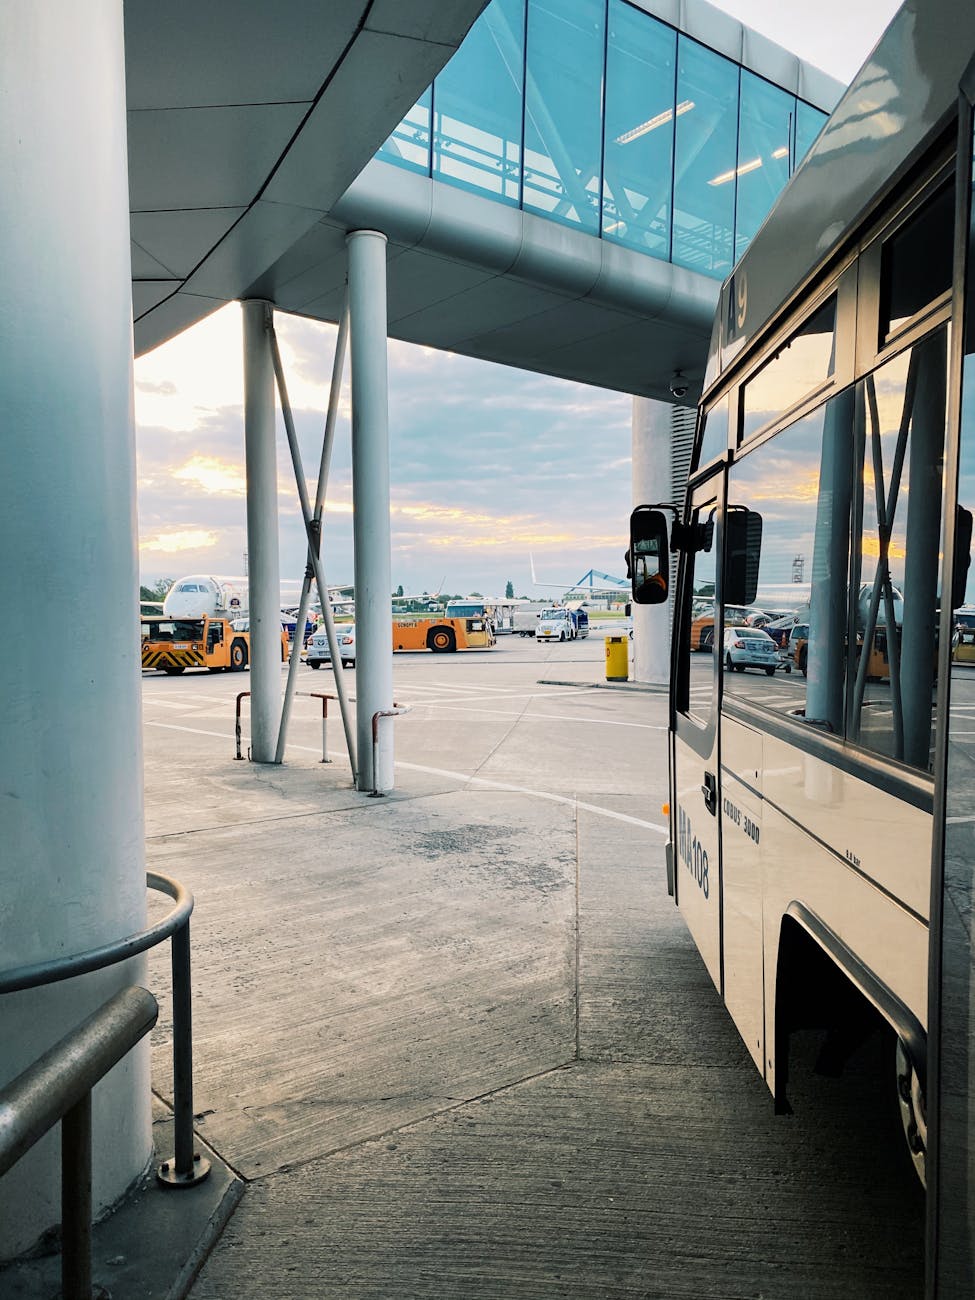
{"x":750,"y":647}
{"x":797,"y":649}
{"x":318,"y":648}
{"x":779,"y":629}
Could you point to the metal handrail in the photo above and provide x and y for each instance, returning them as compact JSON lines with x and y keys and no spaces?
{"x":394,"y":712}
{"x":311,"y":695}
{"x":187,"y":1167}
{"x":57,"y":1086}
{"x":109,"y":954}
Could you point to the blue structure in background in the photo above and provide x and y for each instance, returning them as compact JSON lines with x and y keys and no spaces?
{"x":599,"y":115}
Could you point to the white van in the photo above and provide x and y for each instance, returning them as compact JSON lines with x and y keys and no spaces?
{"x":555,"y":624}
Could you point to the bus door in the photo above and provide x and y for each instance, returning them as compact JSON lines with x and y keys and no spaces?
{"x":697,"y":663}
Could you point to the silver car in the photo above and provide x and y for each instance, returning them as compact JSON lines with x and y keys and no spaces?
{"x":318,"y":648}
{"x":750,"y":647}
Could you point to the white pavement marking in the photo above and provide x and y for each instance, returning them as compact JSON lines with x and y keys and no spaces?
{"x":461,"y":707}
{"x":518,"y":695}
{"x":158,"y":697}
{"x":482,"y":781}
{"x":510,"y":788}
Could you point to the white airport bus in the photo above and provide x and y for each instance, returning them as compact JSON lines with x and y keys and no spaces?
{"x":822,"y":827}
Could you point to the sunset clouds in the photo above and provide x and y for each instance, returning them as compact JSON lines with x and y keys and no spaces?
{"x":487,"y":464}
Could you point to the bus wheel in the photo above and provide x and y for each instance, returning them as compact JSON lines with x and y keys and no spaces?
{"x":238,"y":657}
{"x":803,"y":660}
{"x":441,"y":639}
{"x":174,"y":670}
{"x":913,"y":1116}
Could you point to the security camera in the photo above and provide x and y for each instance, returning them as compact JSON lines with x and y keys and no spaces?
{"x":679,"y":385}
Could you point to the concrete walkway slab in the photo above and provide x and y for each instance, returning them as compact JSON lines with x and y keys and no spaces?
{"x":355,"y":971}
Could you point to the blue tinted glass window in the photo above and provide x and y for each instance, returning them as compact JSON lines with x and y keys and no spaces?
{"x":639,"y":146}
{"x":714,"y":436}
{"x":705,"y":160}
{"x":764,"y":131}
{"x":477,"y":105}
{"x":563,"y":110}
{"x":409,"y":144}
{"x":809,"y":122}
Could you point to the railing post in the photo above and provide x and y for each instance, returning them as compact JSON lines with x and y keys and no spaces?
{"x":186,"y":1167}
{"x":317,"y":695}
{"x":242,"y":696}
{"x":76,"y":1201}
{"x":394,"y":712}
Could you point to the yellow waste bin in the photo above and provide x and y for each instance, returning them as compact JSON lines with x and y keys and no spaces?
{"x":617,"y":658}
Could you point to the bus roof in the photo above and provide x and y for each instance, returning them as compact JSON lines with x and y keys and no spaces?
{"x":908,"y":86}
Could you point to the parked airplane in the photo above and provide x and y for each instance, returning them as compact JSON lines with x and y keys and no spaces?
{"x":198,"y":595}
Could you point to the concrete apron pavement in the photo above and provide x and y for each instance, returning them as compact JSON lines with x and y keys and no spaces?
{"x":459,"y":1043}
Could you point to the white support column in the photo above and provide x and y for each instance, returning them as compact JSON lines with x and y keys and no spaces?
{"x":263,"y":567}
{"x":72,"y":866}
{"x":370,"y":499}
{"x":652,"y":481}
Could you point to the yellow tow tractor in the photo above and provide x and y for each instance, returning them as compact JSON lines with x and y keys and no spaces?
{"x":172,"y":645}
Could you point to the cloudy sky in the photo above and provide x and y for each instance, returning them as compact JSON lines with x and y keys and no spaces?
{"x":489,"y":465}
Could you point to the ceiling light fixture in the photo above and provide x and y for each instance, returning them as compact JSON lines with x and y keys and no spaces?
{"x":652,"y":123}
{"x":736,"y":171}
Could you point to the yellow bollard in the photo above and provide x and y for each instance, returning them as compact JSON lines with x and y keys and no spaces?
{"x":617,"y":658}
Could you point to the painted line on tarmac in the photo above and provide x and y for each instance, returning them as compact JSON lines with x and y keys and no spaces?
{"x":512,"y":695}
{"x":509,"y":788}
{"x":482,"y":781}
{"x":461,"y":707}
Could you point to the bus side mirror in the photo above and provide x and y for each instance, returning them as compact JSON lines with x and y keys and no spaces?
{"x":963,"y":556}
{"x":648,"y":558}
{"x":743,"y":553}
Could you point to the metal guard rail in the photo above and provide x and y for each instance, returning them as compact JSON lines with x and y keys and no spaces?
{"x":57,"y":1086}
{"x":310,"y":695}
{"x":187,"y":1167}
{"x":109,"y":954}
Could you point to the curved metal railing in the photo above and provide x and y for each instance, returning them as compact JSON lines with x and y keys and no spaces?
{"x":57,"y":1088}
{"x":62,"y":968}
{"x":186,"y":1167}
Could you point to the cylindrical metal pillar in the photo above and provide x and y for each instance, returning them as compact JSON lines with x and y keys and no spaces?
{"x":652,"y":482}
{"x":72,"y":868}
{"x":264,"y":575}
{"x":370,"y":500}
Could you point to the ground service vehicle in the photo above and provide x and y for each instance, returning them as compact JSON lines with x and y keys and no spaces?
{"x":173,"y":645}
{"x":963,"y":647}
{"x":822,"y":828}
{"x":441,"y":634}
{"x":500,"y":614}
{"x":555,"y":624}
